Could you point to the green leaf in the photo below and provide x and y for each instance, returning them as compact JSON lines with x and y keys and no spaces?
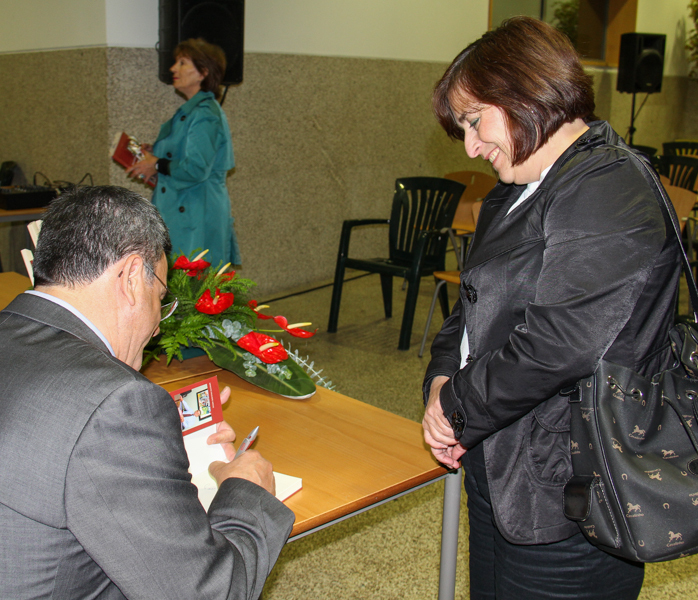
{"x":299,"y":386}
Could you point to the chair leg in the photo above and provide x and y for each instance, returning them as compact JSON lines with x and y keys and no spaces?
{"x":408,"y":315}
{"x":439,"y":284}
{"x":336,"y":297}
{"x":387,"y":289}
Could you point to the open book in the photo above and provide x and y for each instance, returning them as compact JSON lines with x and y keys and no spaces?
{"x":200,"y":409}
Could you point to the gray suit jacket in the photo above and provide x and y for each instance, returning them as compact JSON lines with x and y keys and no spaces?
{"x":95,"y":498}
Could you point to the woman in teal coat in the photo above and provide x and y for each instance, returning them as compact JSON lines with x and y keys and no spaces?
{"x":191,"y":158}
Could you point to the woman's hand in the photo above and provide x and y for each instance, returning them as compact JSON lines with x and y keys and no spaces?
{"x":438,"y":433}
{"x":144,"y":169}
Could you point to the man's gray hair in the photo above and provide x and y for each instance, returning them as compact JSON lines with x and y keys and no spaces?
{"x":88,"y":229}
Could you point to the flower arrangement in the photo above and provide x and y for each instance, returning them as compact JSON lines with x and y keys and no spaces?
{"x":216,"y":314}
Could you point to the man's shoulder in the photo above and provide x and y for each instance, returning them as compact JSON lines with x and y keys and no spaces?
{"x":52,"y":382}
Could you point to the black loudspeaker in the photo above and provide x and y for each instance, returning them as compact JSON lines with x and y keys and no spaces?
{"x":641,"y":63}
{"x":220,"y":22}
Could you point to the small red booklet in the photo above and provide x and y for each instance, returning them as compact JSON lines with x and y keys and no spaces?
{"x":126,"y":150}
{"x":199,"y":405}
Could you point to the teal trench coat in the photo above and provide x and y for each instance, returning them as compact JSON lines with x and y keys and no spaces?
{"x":193,"y":199}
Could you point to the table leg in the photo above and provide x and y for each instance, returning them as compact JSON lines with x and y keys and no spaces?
{"x":449,"y":535}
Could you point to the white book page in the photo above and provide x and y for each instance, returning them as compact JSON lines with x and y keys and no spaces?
{"x":201,"y":455}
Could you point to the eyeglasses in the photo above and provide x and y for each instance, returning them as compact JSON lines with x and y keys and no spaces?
{"x":168,"y":309}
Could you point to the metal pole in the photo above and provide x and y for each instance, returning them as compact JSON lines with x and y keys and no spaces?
{"x":449,"y":535}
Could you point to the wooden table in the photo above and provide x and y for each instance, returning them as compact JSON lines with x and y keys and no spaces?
{"x":25,"y":214}
{"x":351,"y":456}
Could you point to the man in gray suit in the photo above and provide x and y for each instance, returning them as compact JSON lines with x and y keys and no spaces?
{"x":95,"y":498}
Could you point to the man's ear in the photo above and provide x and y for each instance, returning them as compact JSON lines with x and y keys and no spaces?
{"x":131,"y":276}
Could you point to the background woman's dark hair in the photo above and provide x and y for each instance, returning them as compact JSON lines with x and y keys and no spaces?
{"x":528,"y":69}
{"x":207,"y":58}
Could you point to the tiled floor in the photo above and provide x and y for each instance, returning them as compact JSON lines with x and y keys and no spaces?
{"x":391,"y":552}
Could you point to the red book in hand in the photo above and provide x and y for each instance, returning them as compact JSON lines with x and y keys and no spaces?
{"x":127,"y":151}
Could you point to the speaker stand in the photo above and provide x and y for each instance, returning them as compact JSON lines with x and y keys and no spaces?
{"x":631,"y":130}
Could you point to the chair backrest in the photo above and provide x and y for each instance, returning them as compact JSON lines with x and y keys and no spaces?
{"x":476,"y":210}
{"x":683,"y":200}
{"x":680,"y":148}
{"x":681,"y":170}
{"x":422,"y":204}
{"x":477,"y":186}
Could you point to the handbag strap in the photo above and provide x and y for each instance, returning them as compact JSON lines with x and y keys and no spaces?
{"x":688,"y":273}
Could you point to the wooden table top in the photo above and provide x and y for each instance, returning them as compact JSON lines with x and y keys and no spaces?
{"x":24,"y":214}
{"x":348,"y":453}
{"x":11,"y":285}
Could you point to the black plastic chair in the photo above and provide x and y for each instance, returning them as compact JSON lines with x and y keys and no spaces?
{"x":680,"y":148}
{"x":681,"y":170}
{"x":422,"y":212}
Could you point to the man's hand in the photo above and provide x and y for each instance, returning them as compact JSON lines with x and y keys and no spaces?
{"x":250,"y":465}
{"x":438,"y":433}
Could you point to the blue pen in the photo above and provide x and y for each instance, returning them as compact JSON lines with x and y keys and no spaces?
{"x":247,"y":442}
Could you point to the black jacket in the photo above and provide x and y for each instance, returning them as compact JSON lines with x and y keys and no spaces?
{"x":585,"y":267}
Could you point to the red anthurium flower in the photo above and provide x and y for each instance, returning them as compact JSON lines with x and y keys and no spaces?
{"x":223,"y":275}
{"x":295,"y":329}
{"x":214,"y":305}
{"x":191,"y":267}
{"x":253,"y":305}
{"x":264,"y":347}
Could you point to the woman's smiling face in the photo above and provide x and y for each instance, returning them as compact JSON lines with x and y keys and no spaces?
{"x":486,"y":135}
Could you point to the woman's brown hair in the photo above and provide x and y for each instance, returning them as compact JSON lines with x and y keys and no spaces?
{"x":528,"y":69}
{"x":208,"y":59}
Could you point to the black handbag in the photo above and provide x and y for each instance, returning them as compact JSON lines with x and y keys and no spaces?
{"x":634,"y":452}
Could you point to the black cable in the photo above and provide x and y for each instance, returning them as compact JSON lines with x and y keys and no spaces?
{"x":47,"y":181}
{"x":85,"y":177}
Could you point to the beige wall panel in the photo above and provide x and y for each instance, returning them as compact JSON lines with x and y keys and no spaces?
{"x":53,"y":120}
{"x":53,"y":113}
{"x":317,"y":140}
{"x":662,"y":117}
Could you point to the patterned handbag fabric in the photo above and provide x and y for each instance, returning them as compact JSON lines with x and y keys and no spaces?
{"x":634,"y":492}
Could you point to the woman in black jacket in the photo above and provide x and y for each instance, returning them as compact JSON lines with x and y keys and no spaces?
{"x":570,"y":262}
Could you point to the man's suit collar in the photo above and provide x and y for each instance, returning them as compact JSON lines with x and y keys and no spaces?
{"x":51,"y":314}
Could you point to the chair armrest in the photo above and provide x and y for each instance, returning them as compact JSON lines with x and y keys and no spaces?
{"x":422,"y":240}
{"x":348,"y":225}
{"x":358,"y":222}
